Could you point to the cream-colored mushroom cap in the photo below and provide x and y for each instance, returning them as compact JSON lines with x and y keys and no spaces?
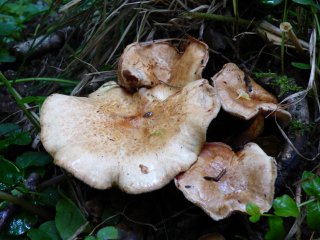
{"x":241,"y":96}
{"x":138,"y":143}
{"x":222,"y":181}
{"x":149,"y":64}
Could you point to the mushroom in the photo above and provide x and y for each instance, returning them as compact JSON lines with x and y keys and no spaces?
{"x":133,"y":141}
{"x":148,"y":65}
{"x":241,"y":96}
{"x":222,"y":181}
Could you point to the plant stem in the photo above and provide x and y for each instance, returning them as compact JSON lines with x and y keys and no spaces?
{"x":306,"y":202}
{"x":42,"y":79}
{"x":24,"y":204}
{"x":314,"y":12}
{"x":33,"y":119}
{"x":285,"y":11}
{"x":282,"y":53}
{"x":216,"y":17}
{"x":284,"y":19}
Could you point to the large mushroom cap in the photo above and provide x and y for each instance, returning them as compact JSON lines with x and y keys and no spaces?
{"x":129,"y":140}
{"x":241,"y":96}
{"x":147,"y":65}
{"x":222,"y":181}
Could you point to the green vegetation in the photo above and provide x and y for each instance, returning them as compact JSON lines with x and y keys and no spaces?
{"x":14,"y":16}
{"x":285,"y":207}
{"x":286,"y":85}
{"x":296,"y":125}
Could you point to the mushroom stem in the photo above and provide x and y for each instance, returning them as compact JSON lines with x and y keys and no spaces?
{"x":252,"y":132}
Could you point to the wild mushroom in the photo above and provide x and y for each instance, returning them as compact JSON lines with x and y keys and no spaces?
{"x":148,"y":65}
{"x":222,"y":181}
{"x":241,"y":96}
{"x":135,"y":142}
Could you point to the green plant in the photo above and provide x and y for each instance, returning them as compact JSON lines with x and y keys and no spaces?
{"x":296,"y":125}
{"x":286,"y":85}
{"x":284,"y":207}
{"x":13,"y":17}
{"x":106,"y":233}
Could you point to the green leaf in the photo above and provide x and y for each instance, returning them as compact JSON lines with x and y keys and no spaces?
{"x":271,"y":2}
{"x":90,"y":238}
{"x":285,"y":206}
{"x":34,"y":99}
{"x":253,"y":210}
{"x":47,"y":231}
{"x":313,"y":215}
{"x":49,"y":197}
{"x":22,"y":138}
{"x":50,"y":229}
{"x":9,"y":173}
{"x":254,"y":218}
{"x":303,"y":66}
{"x":7,"y":29}
{"x":69,"y":219}
{"x":37,"y":159}
{"x":25,"y":11}
{"x":311,"y":184}
{"x":21,"y":223}
{"x":107,"y":233}
{"x":8,"y":128}
{"x":37,"y":234}
{"x":276,"y":229}
{"x":5,"y":56}
{"x":304,"y":2}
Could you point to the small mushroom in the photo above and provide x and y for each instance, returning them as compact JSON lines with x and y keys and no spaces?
{"x":148,"y":65}
{"x":222,"y":181}
{"x":135,"y":142}
{"x":241,"y":96}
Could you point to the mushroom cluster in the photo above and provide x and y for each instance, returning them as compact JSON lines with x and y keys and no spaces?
{"x":150,"y":128}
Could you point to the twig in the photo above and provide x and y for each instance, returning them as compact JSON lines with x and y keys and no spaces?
{"x":24,"y":204}
{"x":42,"y":44}
{"x":53,"y":181}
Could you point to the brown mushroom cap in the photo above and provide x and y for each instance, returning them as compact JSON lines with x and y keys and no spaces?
{"x":237,"y":99}
{"x":128,"y":140}
{"x":222,"y":181}
{"x":147,"y":65}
